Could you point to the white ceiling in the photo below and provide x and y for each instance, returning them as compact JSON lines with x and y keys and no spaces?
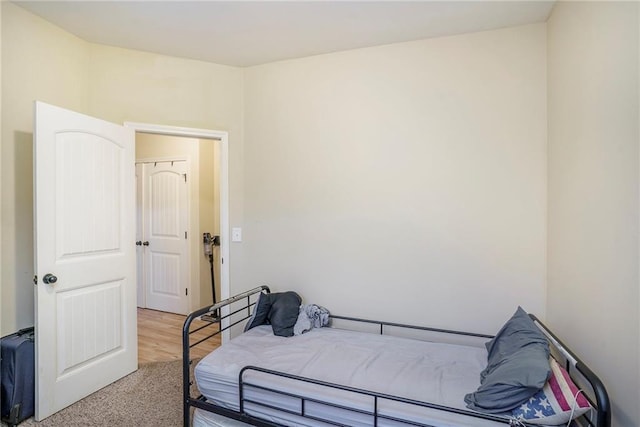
{"x":245,"y":33}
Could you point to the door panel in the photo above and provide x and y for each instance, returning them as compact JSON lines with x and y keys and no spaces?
{"x":89,"y":324}
{"x":86,"y":333}
{"x":88,"y":182}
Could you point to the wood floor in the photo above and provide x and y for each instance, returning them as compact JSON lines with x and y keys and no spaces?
{"x":160,"y":337}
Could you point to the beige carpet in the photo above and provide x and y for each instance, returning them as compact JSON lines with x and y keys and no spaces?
{"x":151,"y":396}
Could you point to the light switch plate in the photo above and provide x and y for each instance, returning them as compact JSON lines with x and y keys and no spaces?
{"x":236,"y":234}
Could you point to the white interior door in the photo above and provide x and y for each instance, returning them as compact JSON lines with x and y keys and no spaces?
{"x":85,"y":297}
{"x":165,"y":236}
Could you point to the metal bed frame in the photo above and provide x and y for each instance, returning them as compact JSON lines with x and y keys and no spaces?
{"x":214,"y":321}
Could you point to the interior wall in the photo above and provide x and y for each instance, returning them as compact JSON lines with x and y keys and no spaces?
{"x":593,"y":83}
{"x":404,"y":182}
{"x":39,"y":62}
{"x":42,"y":62}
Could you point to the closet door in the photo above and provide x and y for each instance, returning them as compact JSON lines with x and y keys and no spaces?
{"x":165,"y":213}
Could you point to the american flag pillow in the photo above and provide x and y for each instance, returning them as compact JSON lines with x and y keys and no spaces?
{"x":558,"y":402}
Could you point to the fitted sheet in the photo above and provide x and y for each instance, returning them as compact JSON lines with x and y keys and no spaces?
{"x":202,"y":418}
{"x":424,"y":371}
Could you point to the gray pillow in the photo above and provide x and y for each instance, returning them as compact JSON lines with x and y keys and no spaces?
{"x":260,"y":312}
{"x":517,"y":366}
{"x":280,"y":310}
{"x":284,"y":313}
{"x":512,"y":382}
{"x":518,"y":332}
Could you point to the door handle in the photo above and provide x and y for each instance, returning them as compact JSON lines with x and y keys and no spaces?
{"x":139,"y":243}
{"x":145,"y":243}
{"x":49,"y":279}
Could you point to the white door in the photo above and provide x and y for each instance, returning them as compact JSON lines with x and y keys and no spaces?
{"x":85,"y":297}
{"x":165,"y":236}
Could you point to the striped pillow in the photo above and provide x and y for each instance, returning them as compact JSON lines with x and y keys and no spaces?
{"x":556,"y":401}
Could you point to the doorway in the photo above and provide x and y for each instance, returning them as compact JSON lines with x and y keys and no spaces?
{"x":206,"y":156}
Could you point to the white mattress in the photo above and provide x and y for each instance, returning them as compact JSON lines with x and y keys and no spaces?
{"x":423,"y":371}
{"x":202,"y":418}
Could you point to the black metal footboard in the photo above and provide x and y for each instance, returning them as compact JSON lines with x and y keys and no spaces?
{"x":239,"y":309}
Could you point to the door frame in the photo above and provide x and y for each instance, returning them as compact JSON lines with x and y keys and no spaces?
{"x":223,"y":138}
{"x":193,"y":269}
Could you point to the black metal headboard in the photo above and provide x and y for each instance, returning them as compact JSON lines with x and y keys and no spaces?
{"x":583,"y":376}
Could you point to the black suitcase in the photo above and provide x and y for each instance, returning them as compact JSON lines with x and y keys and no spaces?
{"x":17,"y":369}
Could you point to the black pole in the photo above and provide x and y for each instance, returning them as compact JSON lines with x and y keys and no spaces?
{"x":213,"y":279}
{"x":213,"y":282}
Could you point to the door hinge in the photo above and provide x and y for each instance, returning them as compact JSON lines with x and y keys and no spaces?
{"x":185,"y":177}
{"x":186,"y":291}
{"x":221,"y":260}
{"x":185,"y":234}
{"x":35,"y":280}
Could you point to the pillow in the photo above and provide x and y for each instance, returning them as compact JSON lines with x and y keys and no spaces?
{"x":280,"y":310}
{"x":519,"y":331}
{"x":511,"y":382}
{"x":517,"y":367}
{"x":284,"y":313}
{"x":555,"y":403}
{"x":260,"y":312}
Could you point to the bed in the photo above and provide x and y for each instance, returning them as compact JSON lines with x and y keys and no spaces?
{"x":360,"y":372}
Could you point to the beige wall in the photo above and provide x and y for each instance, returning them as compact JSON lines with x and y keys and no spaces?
{"x":39,"y":61}
{"x":129,"y":85}
{"x":151,"y":146}
{"x":593,"y":192}
{"x":42,"y":62}
{"x":403,"y":182}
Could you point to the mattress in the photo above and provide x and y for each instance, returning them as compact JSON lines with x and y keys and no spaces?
{"x":202,"y":418}
{"x":424,"y":371}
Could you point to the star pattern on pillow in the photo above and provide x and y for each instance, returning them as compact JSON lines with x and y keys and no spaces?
{"x":556,"y":403}
{"x":537,"y":406}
